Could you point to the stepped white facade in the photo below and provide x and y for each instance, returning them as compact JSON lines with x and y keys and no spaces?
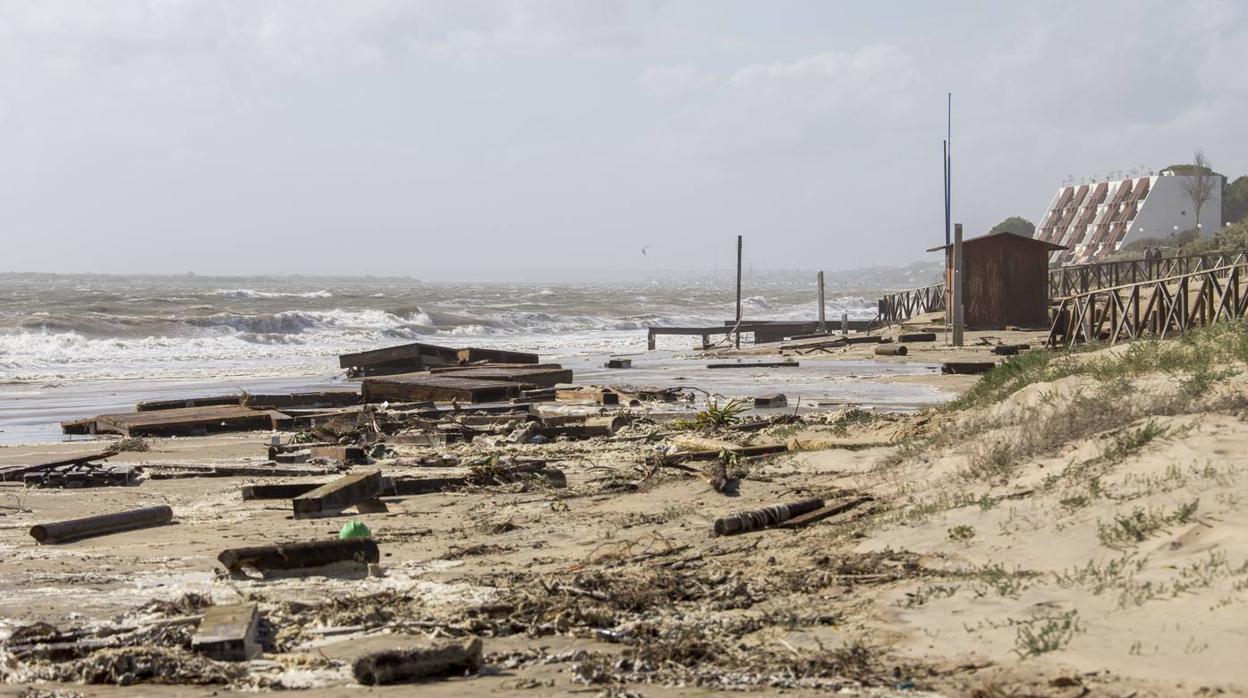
{"x":1094,"y":220}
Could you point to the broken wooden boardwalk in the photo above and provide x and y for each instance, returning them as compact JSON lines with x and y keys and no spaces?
{"x":410,"y":387}
{"x":1159,"y":308}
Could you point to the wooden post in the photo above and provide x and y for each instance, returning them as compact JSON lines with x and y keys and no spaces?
{"x":844,"y":323}
{"x":823,"y":326}
{"x":957,"y":285}
{"x":738,"y":328}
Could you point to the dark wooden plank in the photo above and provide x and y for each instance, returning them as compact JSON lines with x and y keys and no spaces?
{"x":410,"y":387}
{"x":423,"y":354}
{"x":207,"y":401}
{"x":966,"y":367}
{"x":332,"y":498}
{"x":321,"y":399}
{"x":186,"y":420}
{"x":757,"y":364}
{"x":473,"y":354}
{"x":535,"y":377}
{"x":228,"y":633}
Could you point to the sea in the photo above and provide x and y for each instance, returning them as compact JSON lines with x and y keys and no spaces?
{"x":73,"y":345}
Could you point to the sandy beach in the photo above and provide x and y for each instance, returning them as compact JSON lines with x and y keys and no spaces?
{"x":1000,"y":547}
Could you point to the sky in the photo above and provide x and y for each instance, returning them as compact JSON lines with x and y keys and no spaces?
{"x":579,"y":138}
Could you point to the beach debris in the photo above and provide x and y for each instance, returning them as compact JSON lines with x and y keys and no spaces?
{"x":349,"y":455}
{"x":354,"y":529}
{"x":758,"y":519}
{"x":283,"y":491}
{"x":181,"y":403}
{"x":402,"y":665}
{"x":425,"y":386}
{"x":407,"y":358}
{"x":757,"y":364}
{"x":470,"y":355}
{"x":318,"y":400}
{"x":332,"y":498}
{"x":102,"y":524}
{"x":711,"y":454}
{"x":581,"y":427}
{"x":352,"y":554}
{"x":891,"y":350}
{"x":967,"y":367}
{"x":1009,"y":349}
{"x":228,"y":633}
{"x":917,"y":337}
{"x":825,"y":511}
{"x":15,"y":472}
{"x":618,"y":363}
{"x":771,"y":400}
{"x":180,"y":421}
{"x":531,"y":376}
{"x":82,"y":475}
{"x":587,"y":394}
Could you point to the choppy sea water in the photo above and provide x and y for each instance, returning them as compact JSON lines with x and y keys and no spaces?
{"x":72,"y":345}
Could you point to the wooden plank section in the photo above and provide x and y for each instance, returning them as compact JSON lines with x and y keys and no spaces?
{"x":209,"y":401}
{"x":966,"y":367}
{"x":772,"y":400}
{"x":15,"y":472}
{"x":186,"y":421}
{"x":323,"y":399}
{"x":228,"y":633}
{"x":535,"y":377}
{"x":917,"y":337}
{"x":333,"y":498}
{"x":399,"y":359}
{"x":591,"y":395}
{"x":473,"y":354}
{"x":824,"y":512}
{"x":757,"y":364}
{"x":410,"y":387}
{"x":351,"y":455}
{"x":404,"y":665}
{"x":310,"y":555}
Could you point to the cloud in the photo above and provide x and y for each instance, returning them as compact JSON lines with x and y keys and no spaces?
{"x":673,"y":81}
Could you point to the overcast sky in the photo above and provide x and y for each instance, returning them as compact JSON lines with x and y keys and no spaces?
{"x":470,"y":139}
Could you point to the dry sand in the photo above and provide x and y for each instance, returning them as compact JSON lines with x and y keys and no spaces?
{"x":1072,"y":565}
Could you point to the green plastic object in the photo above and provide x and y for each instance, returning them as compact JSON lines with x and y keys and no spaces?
{"x":354,"y":529}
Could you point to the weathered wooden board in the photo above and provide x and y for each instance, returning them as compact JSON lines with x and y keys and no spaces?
{"x":330,"y":499}
{"x":208,"y":401}
{"x":536,"y":377}
{"x":423,"y":386}
{"x":399,"y":359}
{"x":321,"y":399}
{"x":229,"y":633}
{"x":186,"y":421}
{"x":474,"y":354}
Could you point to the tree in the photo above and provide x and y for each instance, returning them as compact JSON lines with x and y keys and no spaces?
{"x":1016,"y":225}
{"x":1200,"y":183}
{"x":1235,"y":201}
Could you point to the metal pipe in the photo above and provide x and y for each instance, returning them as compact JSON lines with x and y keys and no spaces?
{"x":738,"y":332}
{"x":75,"y":529}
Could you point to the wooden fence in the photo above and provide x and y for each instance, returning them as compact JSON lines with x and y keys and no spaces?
{"x":1081,"y":278}
{"x":903,"y":305}
{"x":1157,"y":307}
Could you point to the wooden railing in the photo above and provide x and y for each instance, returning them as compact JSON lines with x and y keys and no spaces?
{"x":903,"y":305}
{"x":1081,"y":278}
{"x":1158,"y":307}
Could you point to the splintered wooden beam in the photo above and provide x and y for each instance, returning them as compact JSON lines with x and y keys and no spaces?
{"x":406,"y":664}
{"x":301,"y":556}
{"x":331,"y":499}
{"x":228,"y":633}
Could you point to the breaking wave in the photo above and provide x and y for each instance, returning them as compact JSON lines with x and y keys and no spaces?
{"x":251,"y":293}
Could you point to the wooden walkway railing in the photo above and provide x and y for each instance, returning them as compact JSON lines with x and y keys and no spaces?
{"x":1081,"y":278}
{"x":903,"y":305}
{"x":1157,"y":307}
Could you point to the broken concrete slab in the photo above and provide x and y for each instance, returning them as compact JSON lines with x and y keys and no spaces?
{"x":229,"y":633}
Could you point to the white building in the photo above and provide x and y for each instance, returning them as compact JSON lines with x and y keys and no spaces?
{"x":1094,"y":220}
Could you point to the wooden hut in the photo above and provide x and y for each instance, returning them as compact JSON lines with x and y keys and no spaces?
{"x":1005,"y":280}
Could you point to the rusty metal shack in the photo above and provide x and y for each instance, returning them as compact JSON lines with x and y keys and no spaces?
{"x":1005,"y":280}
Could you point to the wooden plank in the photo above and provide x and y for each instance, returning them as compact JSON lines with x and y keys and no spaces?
{"x":425,"y":354}
{"x":228,"y":633}
{"x":332,"y":498}
{"x":422,"y":386}
{"x":186,"y":420}
{"x":321,"y":399}
{"x":474,"y":354}
{"x":757,"y":364}
{"x":17,"y":471}
{"x":824,"y":512}
{"x":966,"y":367}
{"x":175,"y":403}
{"x":535,"y":377}
{"x":917,"y":337}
